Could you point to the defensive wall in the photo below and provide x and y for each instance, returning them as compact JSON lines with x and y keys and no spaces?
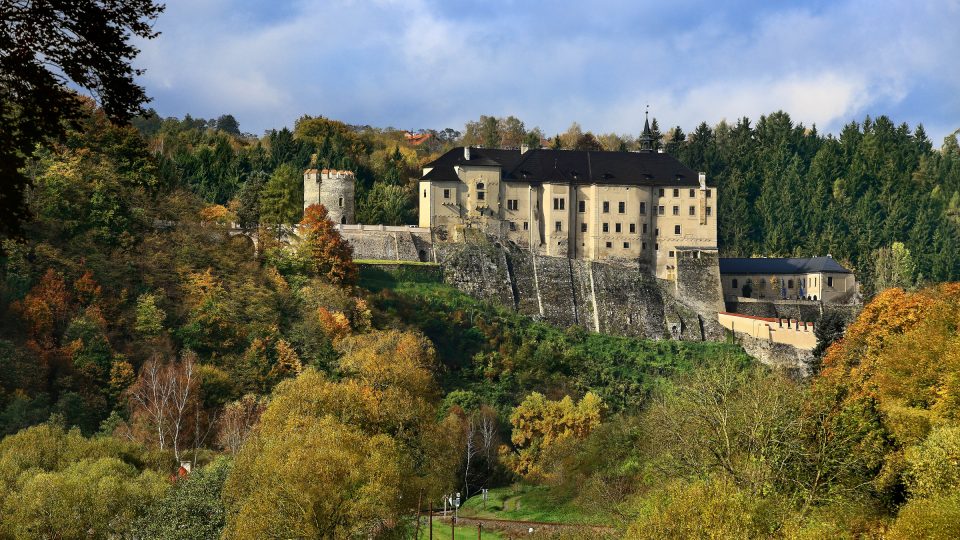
{"x":781,"y":342}
{"x":392,"y":243}
{"x":604,"y":297}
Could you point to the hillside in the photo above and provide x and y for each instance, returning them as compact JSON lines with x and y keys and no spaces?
{"x":139,"y":336}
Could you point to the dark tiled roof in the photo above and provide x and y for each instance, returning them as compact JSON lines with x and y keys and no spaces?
{"x":763,"y":265}
{"x":574,"y":166}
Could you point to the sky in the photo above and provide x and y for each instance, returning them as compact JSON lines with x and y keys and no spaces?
{"x":414,"y":64}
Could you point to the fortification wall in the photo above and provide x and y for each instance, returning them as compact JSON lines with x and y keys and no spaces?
{"x":782,"y":309}
{"x":603,"y":297}
{"x":793,"y":360}
{"x":381,"y":242}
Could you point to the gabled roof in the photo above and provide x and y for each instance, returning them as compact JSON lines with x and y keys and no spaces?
{"x":764,"y":265}
{"x":570,"y":166}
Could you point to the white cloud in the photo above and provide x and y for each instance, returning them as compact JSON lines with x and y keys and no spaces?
{"x":416,"y":64}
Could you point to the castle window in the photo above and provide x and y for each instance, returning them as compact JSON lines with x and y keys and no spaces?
{"x":583,"y":227}
{"x":341,"y":202}
{"x":709,"y":211}
{"x":609,"y":244}
{"x":660,"y":210}
{"x":676,"y":210}
{"x":626,"y":245}
{"x":513,"y":204}
{"x":526,"y":226}
{"x":424,"y":194}
{"x":617,"y":228}
{"x":692,"y":193}
{"x":343,"y":220}
{"x":829,"y":281}
{"x":676,"y":229}
{"x":660,"y":192}
{"x":582,"y":206}
{"x":789,"y":283}
{"x":513,"y":226}
{"x":559,"y":226}
{"x":734,"y":283}
{"x":558,"y":203}
{"x":708,"y":193}
{"x":606,"y":227}
{"x":633,"y":227}
{"x":446,"y":194}
{"x":644,"y":228}
{"x":693,"y":210}
{"x":622,"y":207}
{"x":643,"y":209}
{"x":643,"y":246}
{"x":481,"y":194}
{"x":656,"y":232}
{"x":656,"y":246}
{"x":606,"y":207}
{"x":676,"y":192}
{"x":670,"y":254}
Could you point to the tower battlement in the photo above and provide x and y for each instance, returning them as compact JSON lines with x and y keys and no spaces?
{"x":334,"y":189}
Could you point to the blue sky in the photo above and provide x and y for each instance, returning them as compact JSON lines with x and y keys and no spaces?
{"x":434,"y":64}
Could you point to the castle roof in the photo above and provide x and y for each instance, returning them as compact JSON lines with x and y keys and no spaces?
{"x":569,"y":166}
{"x":773,"y":265}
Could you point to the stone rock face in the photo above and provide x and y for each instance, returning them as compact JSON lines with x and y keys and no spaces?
{"x":391,"y":245}
{"x":603,"y":297}
{"x":794,"y":361}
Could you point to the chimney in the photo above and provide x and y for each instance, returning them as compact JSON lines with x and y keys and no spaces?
{"x":524,"y":148}
{"x":703,"y":180}
{"x":466,"y":153}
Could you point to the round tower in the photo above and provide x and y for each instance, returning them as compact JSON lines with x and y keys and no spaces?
{"x":338,"y":194}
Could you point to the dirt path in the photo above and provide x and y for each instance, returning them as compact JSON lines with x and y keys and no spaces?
{"x":522,"y":527}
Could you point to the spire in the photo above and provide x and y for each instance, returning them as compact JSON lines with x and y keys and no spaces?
{"x":646,"y":139}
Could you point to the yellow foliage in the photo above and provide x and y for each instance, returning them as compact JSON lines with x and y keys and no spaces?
{"x":217,"y":213}
{"x":540,"y":423}
{"x":335,"y":325}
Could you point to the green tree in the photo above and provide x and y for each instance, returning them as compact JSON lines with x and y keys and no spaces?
{"x":150,"y":317}
{"x":893,"y":267}
{"x":44,"y":49}
{"x":281,"y":203}
{"x":192,"y":508}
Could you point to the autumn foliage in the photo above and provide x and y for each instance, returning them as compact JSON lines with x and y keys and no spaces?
{"x":327,"y":253}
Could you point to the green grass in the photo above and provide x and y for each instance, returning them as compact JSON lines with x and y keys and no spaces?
{"x":441,"y":531}
{"x":529,"y":503}
{"x":391,"y":261}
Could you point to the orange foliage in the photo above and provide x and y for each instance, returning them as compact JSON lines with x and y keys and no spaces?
{"x":903,"y":351}
{"x":45,"y":306}
{"x":329,"y":255}
{"x":87,"y":290}
{"x":335,"y":324}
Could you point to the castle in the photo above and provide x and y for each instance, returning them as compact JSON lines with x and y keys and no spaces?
{"x":621,"y":242}
{"x":641,"y":207}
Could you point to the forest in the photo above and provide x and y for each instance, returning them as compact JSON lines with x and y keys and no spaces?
{"x":785,"y":189}
{"x":171,"y":381}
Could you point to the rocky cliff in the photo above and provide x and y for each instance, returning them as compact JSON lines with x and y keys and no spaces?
{"x":601,"y":296}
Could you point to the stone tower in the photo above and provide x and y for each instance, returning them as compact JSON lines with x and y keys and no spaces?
{"x":333,"y":189}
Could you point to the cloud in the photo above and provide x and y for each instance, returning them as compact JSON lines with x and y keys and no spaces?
{"x":421,"y":63}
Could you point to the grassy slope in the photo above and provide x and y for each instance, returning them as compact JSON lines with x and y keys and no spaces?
{"x":501,"y":356}
{"x":529,"y":503}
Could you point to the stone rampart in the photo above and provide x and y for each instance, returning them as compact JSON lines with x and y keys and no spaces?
{"x":600,"y":296}
{"x":380,"y":242}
